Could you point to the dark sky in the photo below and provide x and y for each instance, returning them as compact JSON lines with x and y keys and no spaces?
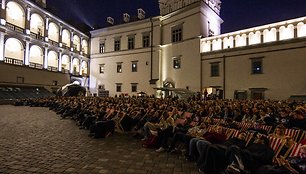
{"x":237,"y":14}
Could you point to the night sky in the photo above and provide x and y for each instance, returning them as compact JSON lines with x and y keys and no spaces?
{"x":237,"y":14}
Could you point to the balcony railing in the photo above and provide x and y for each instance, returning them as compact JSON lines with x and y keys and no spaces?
{"x":53,"y":42}
{"x":35,"y":65}
{"x":52,"y":68}
{"x":14,"y":27}
{"x":36,"y":36}
{"x":66,"y":71}
{"x":13,"y":61}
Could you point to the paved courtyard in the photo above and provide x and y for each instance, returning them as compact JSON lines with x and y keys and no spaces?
{"x":36,"y":140}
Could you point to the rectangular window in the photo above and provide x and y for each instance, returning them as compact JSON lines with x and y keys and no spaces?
{"x":117,"y":44}
{"x":146,"y":40}
{"x":118,"y":87}
{"x":102,"y":66}
{"x":257,"y":66}
{"x":177,"y":33}
{"x":134,"y":66}
{"x":176,"y":63}
{"x":20,"y":79}
{"x":134,"y":87}
{"x":131,"y":42}
{"x":214,"y":69}
{"x":102,"y":47}
{"x":119,"y":67}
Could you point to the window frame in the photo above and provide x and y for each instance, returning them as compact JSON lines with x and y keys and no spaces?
{"x":255,"y":65}
{"x":177,"y":33}
{"x":119,"y":70}
{"x":119,"y":86}
{"x":135,"y":69}
{"x":146,"y":40}
{"x":117,"y":44}
{"x":134,"y":87}
{"x":131,"y":42}
{"x":102,"y":47}
{"x":102,"y":68}
{"x":177,"y":61}
{"x":215,"y":69}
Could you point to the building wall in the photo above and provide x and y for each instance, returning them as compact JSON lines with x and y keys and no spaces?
{"x":32,"y":76}
{"x":110,"y":58}
{"x":283,"y":69}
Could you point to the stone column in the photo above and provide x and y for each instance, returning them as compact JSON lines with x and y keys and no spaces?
{"x":27,"y":53}
{"x":3,"y":10}
{"x":46,"y":27}
{"x":27,"y":21}
{"x":60,"y":61}
{"x":46,"y":58}
{"x":71,"y":67}
{"x":80,"y":66}
{"x":1,"y":46}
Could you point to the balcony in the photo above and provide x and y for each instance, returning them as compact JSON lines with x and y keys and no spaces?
{"x":52,"y":68}
{"x":54,"y":43}
{"x":36,"y":36}
{"x":35,"y":65}
{"x":14,"y":27}
{"x":13,"y":61}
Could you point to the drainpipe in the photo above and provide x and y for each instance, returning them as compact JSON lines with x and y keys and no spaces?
{"x":224,"y":77}
{"x":151,"y":40}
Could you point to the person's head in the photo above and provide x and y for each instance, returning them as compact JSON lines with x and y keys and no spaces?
{"x":303,"y":152}
{"x":261,"y":139}
{"x":280,"y":130}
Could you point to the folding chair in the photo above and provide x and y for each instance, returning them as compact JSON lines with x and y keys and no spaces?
{"x":294,"y":150}
{"x":276,"y":144}
{"x":293,"y":133}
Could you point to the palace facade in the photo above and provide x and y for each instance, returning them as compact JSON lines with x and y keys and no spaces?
{"x":183,"y":48}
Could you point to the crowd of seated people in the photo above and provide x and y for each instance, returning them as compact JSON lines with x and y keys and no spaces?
{"x":218,"y":135}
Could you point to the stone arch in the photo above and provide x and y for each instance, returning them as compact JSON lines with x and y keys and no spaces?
{"x":76,"y":42}
{"x":36,"y":55}
{"x":52,"y":59}
{"x":66,"y":62}
{"x":84,"y":68}
{"x":14,"y":49}
{"x":15,"y":14}
{"x":301,"y":29}
{"x":53,"y":32}
{"x":66,"y":37}
{"x":84,"y":46}
{"x":75,"y":66}
{"x":37,"y":24}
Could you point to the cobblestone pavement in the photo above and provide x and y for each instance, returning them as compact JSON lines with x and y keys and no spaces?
{"x":36,"y":140}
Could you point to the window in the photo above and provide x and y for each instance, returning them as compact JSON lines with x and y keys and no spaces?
{"x":134,"y":66}
{"x":102,"y":47}
{"x":146,"y":40}
{"x":258,"y":93}
{"x":119,"y":67}
{"x":118,"y":87}
{"x":20,"y":79}
{"x":131,"y":43}
{"x":177,"y":33}
{"x":102,"y":66}
{"x":134,"y":87}
{"x":176,"y":63}
{"x":257,"y":66}
{"x":214,"y":69}
{"x":117,"y":44}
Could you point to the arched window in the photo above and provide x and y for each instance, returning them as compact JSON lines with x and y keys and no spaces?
{"x":66,"y":37}
{"x":240,"y":40}
{"x":228,"y":42}
{"x":286,"y":32}
{"x":301,"y":29}
{"x":85,"y":46}
{"x":76,"y":42}
{"x":65,"y":62}
{"x":254,"y":38}
{"x":53,"y":32}
{"x":37,"y":24}
{"x":217,"y":44}
{"x":269,"y":35}
{"x":15,"y":14}
{"x":14,"y":49}
{"x":36,"y":56}
{"x":52,"y":60}
{"x":75,"y":66}
{"x":206,"y":46}
{"x":84,"y":70}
